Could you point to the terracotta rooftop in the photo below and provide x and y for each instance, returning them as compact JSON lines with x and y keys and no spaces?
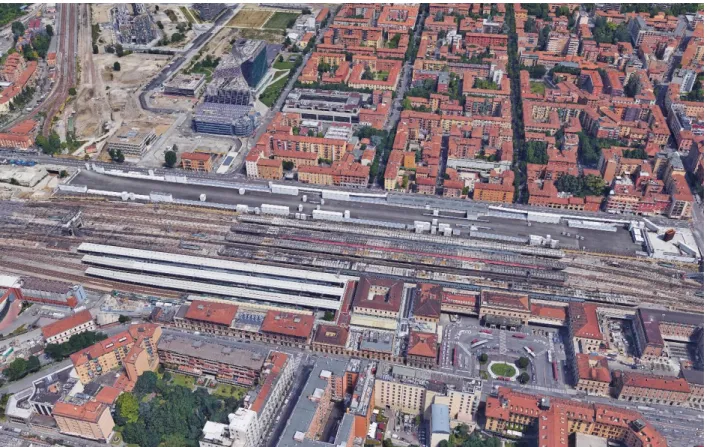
{"x":67,"y":323}
{"x":107,"y":395}
{"x":273,"y":365}
{"x":555,"y":312}
{"x":556,"y":416}
{"x":593,"y":367}
{"x":211,"y":312}
{"x":285,"y":323}
{"x":389,"y":301}
{"x":331,"y":335}
{"x":515,"y":301}
{"x":655,"y":382}
{"x":429,"y":302}
{"x":422,"y":344}
{"x":88,"y":412}
{"x":196,"y":156}
{"x":583,"y":321}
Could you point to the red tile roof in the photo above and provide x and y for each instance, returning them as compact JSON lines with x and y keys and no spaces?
{"x":656,"y":382}
{"x":88,"y":412}
{"x":196,"y":156}
{"x":107,"y":395}
{"x":584,"y":322}
{"x":212,"y":312}
{"x":290,"y":324}
{"x":422,"y":344}
{"x":593,"y":367}
{"x":556,"y":312}
{"x":516,"y":301}
{"x":331,"y":335}
{"x":67,"y":323}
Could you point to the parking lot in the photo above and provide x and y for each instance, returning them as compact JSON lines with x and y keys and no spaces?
{"x":464,"y":341}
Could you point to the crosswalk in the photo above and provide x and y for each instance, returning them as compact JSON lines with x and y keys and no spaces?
{"x":502,"y":348}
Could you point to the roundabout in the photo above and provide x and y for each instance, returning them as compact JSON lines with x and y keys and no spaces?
{"x":503,"y":369}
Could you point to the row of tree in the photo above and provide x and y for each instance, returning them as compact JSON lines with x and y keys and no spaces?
{"x":77,"y":342}
{"x":20,"y":367}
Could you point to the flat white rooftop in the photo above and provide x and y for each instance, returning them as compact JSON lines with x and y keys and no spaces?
{"x":211,"y":289}
{"x":200,"y":274}
{"x":222,"y":264}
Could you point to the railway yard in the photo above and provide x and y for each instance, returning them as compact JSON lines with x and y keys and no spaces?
{"x":37,"y":241}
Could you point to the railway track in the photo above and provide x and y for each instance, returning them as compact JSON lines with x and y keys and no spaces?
{"x":67,"y":50}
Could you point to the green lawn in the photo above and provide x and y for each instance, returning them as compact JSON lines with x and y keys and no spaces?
{"x":187,"y":14}
{"x":182,"y":380}
{"x":196,"y":16}
{"x":272,"y":92}
{"x":281,"y":20}
{"x":284,"y":65}
{"x":224,"y":390}
{"x":537,"y":88}
{"x":503,"y":369}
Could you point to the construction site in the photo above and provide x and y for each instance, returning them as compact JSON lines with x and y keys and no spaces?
{"x":44,"y":239}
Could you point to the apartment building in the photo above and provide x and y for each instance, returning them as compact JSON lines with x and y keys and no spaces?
{"x":592,"y":374}
{"x":556,"y":420}
{"x":330,"y":339}
{"x":62,"y":330}
{"x":650,"y":389}
{"x":422,"y":350}
{"x":413,"y":391}
{"x":584,"y":327}
{"x":197,"y":161}
{"x":287,"y":329}
{"x":112,"y":353}
{"x":90,"y":420}
{"x":197,"y":358}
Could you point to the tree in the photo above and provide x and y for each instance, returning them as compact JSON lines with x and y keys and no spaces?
{"x":523,"y":378}
{"x":287,"y":165}
{"x":159,"y":24}
{"x":50,"y":30}
{"x":594,"y":185}
{"x":157,"y":8}
{"x":537,"y":71}
{"x":124,"y":319}
{"x":483,"y":358}
{"x":633,"y":86}
{"x":329,"y":315}
{"x":523,"y":362}
{"x":63,"y":173}
{"x":77,"y":342}
{"x":72,"y":91}
{"x":126,"y":409}
{"x":16,"y":370}
{"x":119,"y":50}
{"x":18,"y":29}
{"x":110,"y":49}
{"x":116,"y":66}
{"x":95,"y":49}
{"x":119,"y":157}
{"x":170,"y":159}
{"x":146,"y":383}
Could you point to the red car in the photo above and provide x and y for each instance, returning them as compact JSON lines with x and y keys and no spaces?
{"x":518,"y":335}
{"x":486,"y":331}
{"x":474,"y":341}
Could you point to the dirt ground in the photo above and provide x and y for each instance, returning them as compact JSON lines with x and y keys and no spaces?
{"x":101,"y":12}
{"x":135,"y":69}
{"x":250,"y":18}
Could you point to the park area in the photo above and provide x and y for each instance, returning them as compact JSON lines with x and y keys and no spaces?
{"x":503,"y":369}
{"x":250,"y":18}
{"x":281,"y":20}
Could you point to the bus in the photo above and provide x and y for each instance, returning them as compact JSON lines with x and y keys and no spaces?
{"x":554,"y":370}
{"x":478,"y":343}
{"x":530,"y":351}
